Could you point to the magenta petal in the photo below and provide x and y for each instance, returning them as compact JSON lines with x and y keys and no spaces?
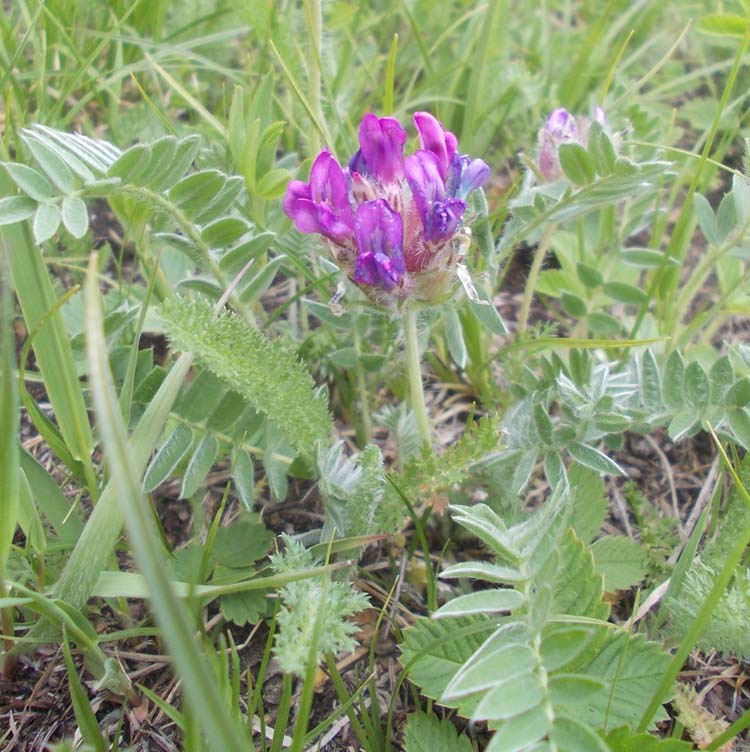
{"x":379,"y":233}
{"x":382,"y":145}
{"x":434,"y":138}
{"x":328,"y":184}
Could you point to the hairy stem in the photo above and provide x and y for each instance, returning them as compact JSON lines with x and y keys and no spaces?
{"x":364,"y":403}
{"x":414,"y":374}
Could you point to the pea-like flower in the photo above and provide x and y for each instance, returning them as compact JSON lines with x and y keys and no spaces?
{"x":562,"y":128}
{"x":391,"y":221}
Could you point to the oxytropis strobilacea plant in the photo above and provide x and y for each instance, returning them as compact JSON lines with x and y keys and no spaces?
{"x":391,"y":221}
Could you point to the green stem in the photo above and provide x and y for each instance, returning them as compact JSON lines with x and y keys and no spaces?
{"x":414,"y":374}
{"x":536,"y":267}
{"x":364,"y":402}
{"x":314,"y":12}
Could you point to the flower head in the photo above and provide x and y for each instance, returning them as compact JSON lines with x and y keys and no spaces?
{"x":390,"y":220}
{"x":563,"y":128}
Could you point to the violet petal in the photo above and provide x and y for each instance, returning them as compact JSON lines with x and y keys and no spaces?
{"x":382,"y":145}
{"x":379,"y":234}
{"x":435,"y":138}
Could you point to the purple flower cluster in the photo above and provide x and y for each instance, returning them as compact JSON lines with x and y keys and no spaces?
{"x":389,"y":219}
{"x":562,"y":128}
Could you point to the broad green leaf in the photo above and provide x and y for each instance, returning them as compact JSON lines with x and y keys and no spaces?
{"x":254,"y":285}
{"x":242,"y":543}
{"x":131,"y":164}
{"x":739,"y":422}
{"x":168,"y":457}
{"x":511,"y":697}
{"x":223,"y":232}
{"x":643,"y":258}
{"x":46,"y":221}
{"x":233,"y":261}
{"x":487,"y":314}
{"x":625,"y":740}
{"x":590,"y":276}
{"x":576,"y":163}
{"x":601,"y":149}
{"x":187,"y":150}
{"x":201,"y":460}
{"x":562,"y":644}
{"x":273,"y":184}
{"x":706,"y":218}
{"x":161,"y":163}
{"x":53,"y":165}
{"x":193,"y":192}
{"x":345,"y":357}
{"x":621,"y":560}
{"x":243,"y":475}
{"x":625,"y":293}
{"x":685,"y":423}
{"x":571,"y":735}
{"x":520,"y":732}
{"x":726,"y":216}
{"x":455,"y":338}
{"x":739,"y":393}
{"x":16,"y":209}
{"x":219,"y":205}
{"x":721,"y":378}
{"x":427,"y":733}
{"x":75,"y":216}
{"x":650,"y":383}
{"x":595,"y":460}
{"x":483,"y":570}
{"x":573,"y":305}
{"x":244,"y":608}
{"x":673,"y":383}
{"x":32,"y":183}
{"x":696,"y":386}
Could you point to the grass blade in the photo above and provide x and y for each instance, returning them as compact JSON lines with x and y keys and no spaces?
{"x":197,"y":677}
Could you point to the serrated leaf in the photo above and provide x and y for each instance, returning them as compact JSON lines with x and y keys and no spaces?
{"x":620,"y":560}
{"x":247,"y":607}
{"x":576,"y":163}
{"x":202,"y":459}
{"x":32,"y":183}
{"x":427,"y":733}
{"x":168,"y":457}
{"x":696,"y":386}
{"x":16,"y":209}
{"x":571,"y":735}
{"x":592,"y":458}
{"x":242,"y":543}
{"x":243,"y":475}
{"x":47,"y":219}
{"x":75,"y":216}
{"x":625,"y":740}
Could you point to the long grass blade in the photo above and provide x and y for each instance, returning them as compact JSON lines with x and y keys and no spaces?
{"x":190,"y":663}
